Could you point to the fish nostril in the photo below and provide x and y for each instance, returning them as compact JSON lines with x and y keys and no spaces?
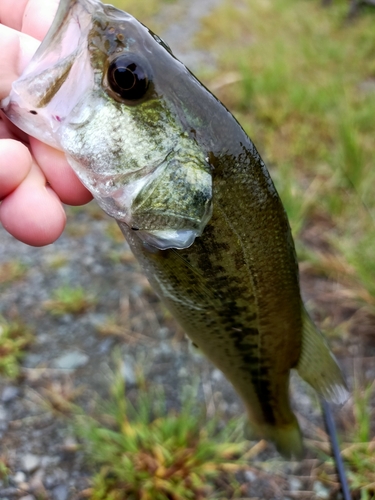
{"x":33,"y":112}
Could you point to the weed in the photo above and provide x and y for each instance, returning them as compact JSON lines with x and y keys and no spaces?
{"x":145,"y":452}
{"x":357,"y":447}
{"x":69,"y":300}
{"x":141,"y":10}
{"x":59,"y":396}
{"x":12,"y":271}
{"x":359,"y":453}
{"x":15,"y":337}
{"x":114,"y":232}
{"x":4,"y":468}
{"x":58,"y":260}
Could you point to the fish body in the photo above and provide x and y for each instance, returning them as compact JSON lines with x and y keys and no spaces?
{"x":190,"y":193}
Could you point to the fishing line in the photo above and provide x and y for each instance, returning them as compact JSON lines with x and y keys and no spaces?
{"x":331,"y":431}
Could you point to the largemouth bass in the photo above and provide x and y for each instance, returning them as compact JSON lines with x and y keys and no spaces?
{"x":191,"y":195}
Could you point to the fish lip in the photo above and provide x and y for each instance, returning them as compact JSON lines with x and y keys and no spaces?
{"x":4,"y":103}
{"x":167,"y":239}
{"x":9,"y":108}
{"x":16,"y":114}
{"x":7,"y":105}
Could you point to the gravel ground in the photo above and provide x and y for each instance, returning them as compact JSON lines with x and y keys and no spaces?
{"x":74,"y":351}
{"x":71,"y":351}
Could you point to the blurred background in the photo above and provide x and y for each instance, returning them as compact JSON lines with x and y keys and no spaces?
{"x":79,"y":321}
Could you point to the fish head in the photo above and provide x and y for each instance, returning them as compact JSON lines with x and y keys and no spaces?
{"x":108,"y":92}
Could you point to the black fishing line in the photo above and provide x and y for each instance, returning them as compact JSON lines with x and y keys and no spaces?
{"x":331,"y":431}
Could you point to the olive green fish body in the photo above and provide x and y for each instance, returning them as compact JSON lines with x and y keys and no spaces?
{"x":236,"y":289}
{"x":192,"y":196}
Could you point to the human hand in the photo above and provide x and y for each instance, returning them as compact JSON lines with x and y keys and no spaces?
{"x":35,"y":179}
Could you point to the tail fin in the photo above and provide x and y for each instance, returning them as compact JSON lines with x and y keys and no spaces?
{"x":318,"y":366}
{"x":286,"y":438}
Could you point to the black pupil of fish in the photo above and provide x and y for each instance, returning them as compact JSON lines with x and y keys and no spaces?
{"x":127,"y":79}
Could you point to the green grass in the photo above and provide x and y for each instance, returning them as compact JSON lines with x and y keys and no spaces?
{"x":4,"y":468}
{"x":69,"y":300}
{"x":144,"y":11}
{"x":357,"y":447}
{"x":15,"y":337}
{"x":143,"y":451}
{"x":305,"y":92}
{"x":359,"y":452}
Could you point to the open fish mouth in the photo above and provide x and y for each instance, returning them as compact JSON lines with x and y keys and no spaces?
{"x":65,"y":98}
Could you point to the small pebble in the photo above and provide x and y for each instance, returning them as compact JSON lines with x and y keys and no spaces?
{"x":295,"y":484}
{"x":19,"y":477}
{"x":105,"y":346}
{"x":70,"y":445}
{"x":128,"y":374}
{"x":60,"y":492}
{"x":163,"y":333}
{"x":217,"y":375}
{"x":36,"y":482}
{"x":9,"y":392}
{"x":32,"y":360}
{"x":164,"y":349}
{"x":57,"y":477}
{"x":320,"y":490}
{"x":24,"y":487}
{"x":3,"y":427}
{"x":128,"y":371}
{"x":250,"y":476}
{"x":71,"y":360}
{"x":30,"y":462}
{"x":47,"y":461}
{"x":182,"y":372}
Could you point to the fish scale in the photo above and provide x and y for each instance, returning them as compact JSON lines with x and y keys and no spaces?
{"x":192,"y":196}
{"x":229,"y":302}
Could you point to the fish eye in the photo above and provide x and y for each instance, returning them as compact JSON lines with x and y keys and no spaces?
{"x":128,"y":77}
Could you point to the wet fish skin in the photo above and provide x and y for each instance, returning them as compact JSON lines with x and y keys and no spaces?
{"x":207,"y":224}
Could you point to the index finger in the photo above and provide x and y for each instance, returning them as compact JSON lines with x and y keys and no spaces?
{"x":34,"y":18}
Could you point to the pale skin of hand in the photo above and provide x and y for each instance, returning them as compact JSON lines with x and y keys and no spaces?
{"x":35,"y":179}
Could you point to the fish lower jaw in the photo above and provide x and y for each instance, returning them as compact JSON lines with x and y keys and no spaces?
{"x":162,"y":239}
{"x":169,"y":238}
{"x":34,"y":126}
{"x":5,"y":103}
